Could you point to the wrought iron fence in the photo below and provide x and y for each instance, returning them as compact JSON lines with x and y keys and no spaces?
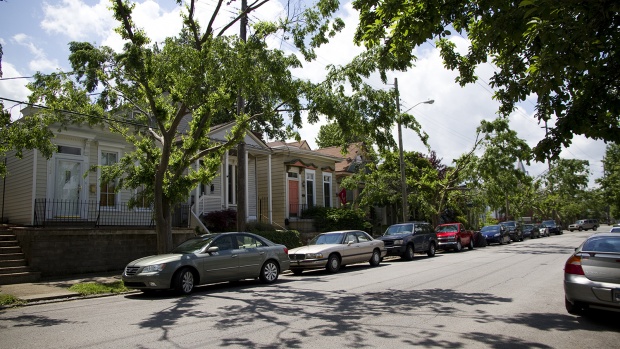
{"x":50,"y":212}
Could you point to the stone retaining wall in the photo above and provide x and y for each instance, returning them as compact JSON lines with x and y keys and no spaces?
{"x":70,"y":251}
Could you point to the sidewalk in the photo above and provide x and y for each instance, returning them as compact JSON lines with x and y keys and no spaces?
{"x":57,"y":289}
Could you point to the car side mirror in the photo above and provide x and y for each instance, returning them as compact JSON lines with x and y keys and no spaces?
{"x":213,"y":249}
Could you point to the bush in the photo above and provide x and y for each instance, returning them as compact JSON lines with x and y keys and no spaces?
{"x":221,"y":221}
{"x":288,"y":238}
{"x":329,"y":219}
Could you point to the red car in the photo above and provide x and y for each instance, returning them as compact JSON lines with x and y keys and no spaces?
{"x":453,"y":236}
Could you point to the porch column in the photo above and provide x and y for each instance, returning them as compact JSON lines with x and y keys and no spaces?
{"x":197,"y":194}
{"x":246,"y":190}
{"x":269,"y":194}
{"x":225,"y":180}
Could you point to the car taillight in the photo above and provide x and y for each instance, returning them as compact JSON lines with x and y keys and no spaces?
{"x":286,"y":251}
{"x":573,"y":266}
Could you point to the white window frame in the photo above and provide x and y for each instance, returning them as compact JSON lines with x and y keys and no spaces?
{"x":327,"y":178}
{"x":310,"y":176}
{"x":117,"y":196}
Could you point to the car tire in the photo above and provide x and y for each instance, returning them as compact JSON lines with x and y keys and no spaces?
{"x":594,"y":229}
{"x":471,"y":244}
{"x":375,"y":259}
{"x":580,"y":229}
{"x":573,"y":308}
{"x":458,"y":247}
{"x":269,"y":272}
{"x":184,"y":281}
{"x":409,"y":253}
{"x":297,"y":271}
{"x":501,"y":241}
{"x":333,"y":263}
{"x":431,"y":250}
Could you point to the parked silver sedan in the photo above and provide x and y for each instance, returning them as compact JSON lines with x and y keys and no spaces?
{"x":335,"y":249}
{"x":208,"y":259}
{"x":592,"y":274}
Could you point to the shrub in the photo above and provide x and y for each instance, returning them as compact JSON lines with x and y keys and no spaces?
{"x":288,"y":238}
{"x":329,"y":219}
{"x":221,"y":221}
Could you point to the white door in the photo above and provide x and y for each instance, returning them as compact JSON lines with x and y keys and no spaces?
{"x":67,"y":188}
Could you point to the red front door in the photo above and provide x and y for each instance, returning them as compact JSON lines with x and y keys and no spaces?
{"x":293,"y":198}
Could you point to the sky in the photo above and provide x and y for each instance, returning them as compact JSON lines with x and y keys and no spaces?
{"x":35,"y":36}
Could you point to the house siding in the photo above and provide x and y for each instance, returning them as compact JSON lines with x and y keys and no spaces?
{"x":17,"y":188}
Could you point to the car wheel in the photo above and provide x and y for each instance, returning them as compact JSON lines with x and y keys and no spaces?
{"x":471,"y":244}
{"x":409,"y":253}
{"x":521,"y":238}
{"x":580,"y":229}
{"x":431,"y":250}
{"x":561,"y":232}
{"x":573,"y":308}
{"x":458,"y":247}
{"x":269,"y":272}
{"x":594,"y":229}
{"x":375,"y":259}
{"x":184,"y":281}
{"x":333,"y":263}
{"x":297,"y":271}
{"x":501,"y":241}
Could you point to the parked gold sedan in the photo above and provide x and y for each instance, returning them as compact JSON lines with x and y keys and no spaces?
{"x":334,"y":249}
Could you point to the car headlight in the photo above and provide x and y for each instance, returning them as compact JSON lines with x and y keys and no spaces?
{"x":398,"y":242}
{"x":153,"y":268}
{"x":314,"y":255}
{"x":497,"y":235}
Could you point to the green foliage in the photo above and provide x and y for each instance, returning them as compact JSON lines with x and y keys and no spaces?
{"x":10,"y":300}
{"x":610,"y":181}
{"x":90,"y":288}
{"x":221,"y":221}
{"x":288,"y":238}
{"x":563,"y":52}
{"x":330,"y":219}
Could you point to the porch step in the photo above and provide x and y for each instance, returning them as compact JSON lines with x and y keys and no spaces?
{"x":19,"y":278}
{"x":13,"y":266}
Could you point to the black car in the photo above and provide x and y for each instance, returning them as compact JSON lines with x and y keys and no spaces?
{"x":552,"y":227}
{"x":530,"y":231}
{"x":514,"y":230}
{"x":406,"y":239}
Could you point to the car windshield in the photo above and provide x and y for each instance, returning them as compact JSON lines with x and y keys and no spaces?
{"x":508,"y":224}
{"x":193,"y":245}
{"x":548,"y":223}
{"x":490,"y":228}
{"x":399,"y":229}
{"x":602,"y":244}
{"x":615,"y":230}
{"x":528,"y":227}
{"x":444,"y":228}
{"x":325,"y":239}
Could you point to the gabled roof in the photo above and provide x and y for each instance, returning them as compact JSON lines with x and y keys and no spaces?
{"x":302,"y":149}
{"x":354,"y":157}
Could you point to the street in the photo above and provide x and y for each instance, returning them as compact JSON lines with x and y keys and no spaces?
{"x":507,"y":296}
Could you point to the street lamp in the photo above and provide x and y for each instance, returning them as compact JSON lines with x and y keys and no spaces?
{"x":403,"y":183}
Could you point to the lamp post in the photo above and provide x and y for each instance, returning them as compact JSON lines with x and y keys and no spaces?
{"x":403,"y":183}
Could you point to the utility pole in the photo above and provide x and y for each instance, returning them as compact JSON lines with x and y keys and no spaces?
{"x":403,"y":183}
{"x":241,"y":151}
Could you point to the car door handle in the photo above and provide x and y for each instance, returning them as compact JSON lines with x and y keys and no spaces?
{"x":261,"y":252}
{"x":234,"y":256}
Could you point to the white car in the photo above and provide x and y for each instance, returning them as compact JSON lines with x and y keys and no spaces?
{"x":334,"y":249}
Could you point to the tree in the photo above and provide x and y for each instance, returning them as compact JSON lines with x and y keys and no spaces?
{"x":197,"y":78}
{"x":564,"y":52}
{"x":610,"y":182}
{"x":567,"y":181}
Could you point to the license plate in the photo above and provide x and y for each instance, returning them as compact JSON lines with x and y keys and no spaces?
{"x":616,"y":295}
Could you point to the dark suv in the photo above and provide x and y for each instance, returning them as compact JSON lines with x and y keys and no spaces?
{"x":406,"y":239}
{"x":514,"y":230}
{"x":552,"y":227}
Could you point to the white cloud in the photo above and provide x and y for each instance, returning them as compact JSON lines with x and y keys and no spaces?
{"x":40,"y":62}
{"x":13,"y":89}
{"x":77,"y":20}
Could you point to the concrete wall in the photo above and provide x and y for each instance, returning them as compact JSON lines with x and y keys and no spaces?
{"x":67,"y":251}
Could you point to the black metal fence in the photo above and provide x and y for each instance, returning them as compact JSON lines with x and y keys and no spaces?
{"x":50,"y":212}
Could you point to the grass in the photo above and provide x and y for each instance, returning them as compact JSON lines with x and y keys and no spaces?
{"x":10,"y":300}
{"x":90,"y":288}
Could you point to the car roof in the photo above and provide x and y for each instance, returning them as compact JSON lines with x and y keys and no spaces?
{"x":342,"y":231}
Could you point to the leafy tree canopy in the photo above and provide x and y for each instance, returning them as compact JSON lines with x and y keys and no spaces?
{"x":564,"y":52}
{"x":164,"y":97}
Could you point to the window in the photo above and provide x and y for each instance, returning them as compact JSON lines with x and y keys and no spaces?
{"x":107,"y":190}
{"x":350,"y":239}
{"x":224,"y":243}
{"x":362,"y":237}
{"x":310,"y":199}
{"x":63,"y":149}
{"x":327,"y":189}
{"x":246,"y":241}
{"x":232,"y":184}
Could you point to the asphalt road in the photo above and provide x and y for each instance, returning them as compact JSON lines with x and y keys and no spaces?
{"x":507,"y":296}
